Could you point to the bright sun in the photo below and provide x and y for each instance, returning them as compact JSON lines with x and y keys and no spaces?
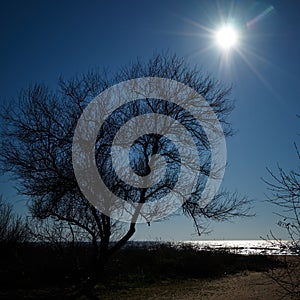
{"x":227,"y":37}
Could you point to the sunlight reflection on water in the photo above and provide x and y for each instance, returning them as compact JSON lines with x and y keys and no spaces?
{"x":244,"y":247}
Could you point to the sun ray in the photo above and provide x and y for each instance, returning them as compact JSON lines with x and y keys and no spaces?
{"x":196,"y":24}
{"x":259,"y":57}
{"x":199,"y":51}
{"x":260,"y":76}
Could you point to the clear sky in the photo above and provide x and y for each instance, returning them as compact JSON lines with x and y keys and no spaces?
{"x":41,"y":40}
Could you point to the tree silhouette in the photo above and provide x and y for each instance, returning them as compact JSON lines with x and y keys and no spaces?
{"x":13,"y":229}
{"x":284,"y":189}
{"x":36,"y":148}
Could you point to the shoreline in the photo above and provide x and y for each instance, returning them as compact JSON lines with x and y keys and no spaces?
{"x":165,"y":271}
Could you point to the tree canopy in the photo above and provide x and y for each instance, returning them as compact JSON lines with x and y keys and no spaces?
{"x":36,"y":149}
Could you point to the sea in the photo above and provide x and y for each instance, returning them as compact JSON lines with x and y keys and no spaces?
{"x":245,"y":247}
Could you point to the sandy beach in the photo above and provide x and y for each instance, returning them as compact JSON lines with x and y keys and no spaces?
{"x":245,"y":285}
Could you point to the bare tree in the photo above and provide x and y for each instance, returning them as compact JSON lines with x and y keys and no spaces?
{"x":13,"y":228}
{"x":284,"y":188}
{"x":36,"y":148}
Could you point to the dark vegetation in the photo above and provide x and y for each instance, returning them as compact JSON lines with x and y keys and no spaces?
{"x":36,"y":271}
{"x":284,"y":193}
{"x":13,"y":229}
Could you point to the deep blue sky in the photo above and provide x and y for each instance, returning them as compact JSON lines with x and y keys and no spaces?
{"x":42,"y":40}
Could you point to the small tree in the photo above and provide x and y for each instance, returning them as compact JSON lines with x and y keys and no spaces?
{"x":13,"y":229}
{"x":36,"y":147}
{"x":284,"y":190}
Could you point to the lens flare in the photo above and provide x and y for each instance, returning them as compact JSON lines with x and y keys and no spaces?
{"x":270,"y":9}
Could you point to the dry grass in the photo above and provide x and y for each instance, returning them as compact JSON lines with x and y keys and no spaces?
{"x":246,"y":285}
{"x":164,"y":272}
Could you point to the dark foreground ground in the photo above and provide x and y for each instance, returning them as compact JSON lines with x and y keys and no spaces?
{"x":162,"y":272}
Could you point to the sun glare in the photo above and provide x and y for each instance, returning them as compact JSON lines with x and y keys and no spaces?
{"x":227,"y":37}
